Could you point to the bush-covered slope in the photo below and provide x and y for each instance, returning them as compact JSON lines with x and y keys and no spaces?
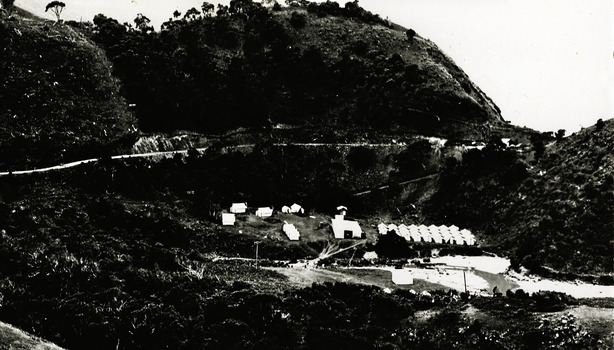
{"x":95,"y":261}
{"x":567,"y":217}
{"x":321,"y":64}
{"x":59,"y":99}
{"x":555,"y":213}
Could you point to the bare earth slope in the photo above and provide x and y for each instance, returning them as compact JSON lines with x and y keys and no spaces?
{"x":16,"y":339}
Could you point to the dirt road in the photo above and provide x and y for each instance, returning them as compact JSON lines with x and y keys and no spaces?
{"x":92,"y":160}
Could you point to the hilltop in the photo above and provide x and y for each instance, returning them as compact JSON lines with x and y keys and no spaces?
{"x":315,"y":65}
{"x":300,"y":73}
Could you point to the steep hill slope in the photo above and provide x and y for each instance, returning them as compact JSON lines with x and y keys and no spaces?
{"x":59,"y":99}
{"x":321,"y":65}
{"x":554,"y":214}
{"x":569,"y":206}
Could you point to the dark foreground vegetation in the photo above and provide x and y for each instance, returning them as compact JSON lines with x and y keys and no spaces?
{"x":123,"y":253}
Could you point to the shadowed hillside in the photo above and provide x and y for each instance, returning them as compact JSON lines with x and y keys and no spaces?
{"x":555,"y":212}
{"x":59,"y":99}
{"x":322,"y":65}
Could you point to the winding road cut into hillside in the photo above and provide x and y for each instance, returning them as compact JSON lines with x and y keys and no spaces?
{"x":175,"y":152}
{"x":93,"y":160}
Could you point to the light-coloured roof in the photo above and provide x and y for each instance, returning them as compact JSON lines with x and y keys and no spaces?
{"x":228,"y":219}
{"x":340,"y":226}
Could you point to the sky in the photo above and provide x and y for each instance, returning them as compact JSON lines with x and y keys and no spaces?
{"x":547,"y":64}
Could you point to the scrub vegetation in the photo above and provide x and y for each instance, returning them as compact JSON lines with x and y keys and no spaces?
{"x":319,"y":104}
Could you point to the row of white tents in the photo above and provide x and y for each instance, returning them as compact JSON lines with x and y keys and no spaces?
{"x":435,"y":234}
{"x":241,"y":208}
{"x":228,"y":219}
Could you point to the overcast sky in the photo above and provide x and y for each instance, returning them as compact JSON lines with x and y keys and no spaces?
{"x":548,"y":64}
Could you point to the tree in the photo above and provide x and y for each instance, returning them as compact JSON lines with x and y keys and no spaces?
{"x":207,"y":8}
{"x":8,"y":6}
{"x":600,"y":124}
{"x":176,"y":14}
{"x":560,"y":134}
{"x":142,"y":23}
{"x":298,"y":20}
{"x":56,"y":7}
{"x":191,"y":14}
{"x":410,"y":35}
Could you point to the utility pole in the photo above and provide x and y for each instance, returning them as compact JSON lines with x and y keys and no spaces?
{"x":350,"y":263}
{"x":256,"y":244}
{"x":465,"y":281}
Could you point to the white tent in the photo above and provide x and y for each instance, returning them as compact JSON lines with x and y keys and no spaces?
{"x":382,"y":229}
{"x":238,"y":208}
{"x":402,"y":277}
{"x":426,"y":236}
{"x":445,"y":235}
{"x":264,"y":212}
{"x":393,"y":227}
{"x":291,"y":231}
{"x":346,"y":229}
{"x":297,"y":209}
{"x":404,"y":232}
{"x":433,"y":228}
{"x":465,"y":233}
{"x":415,"y":236}
{"x":228,"y":219}
{"x":436,"y":236}
{"x":414,"y":233}
{"x":285,"y":209}
{"x":457,"y":238}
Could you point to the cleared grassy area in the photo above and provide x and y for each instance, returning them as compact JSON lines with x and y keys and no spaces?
{"x":304,"y":277}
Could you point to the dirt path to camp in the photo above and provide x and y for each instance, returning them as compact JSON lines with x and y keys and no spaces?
{"x":380,"y":277}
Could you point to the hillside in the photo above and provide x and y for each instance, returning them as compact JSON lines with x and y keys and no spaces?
{"x":316,"y":65}
{"x":327,"y":72}
{"x":552,"y":213}
{"x":569,"y":203}
{"x":60,"y":101}
{"x":315,"y":104}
